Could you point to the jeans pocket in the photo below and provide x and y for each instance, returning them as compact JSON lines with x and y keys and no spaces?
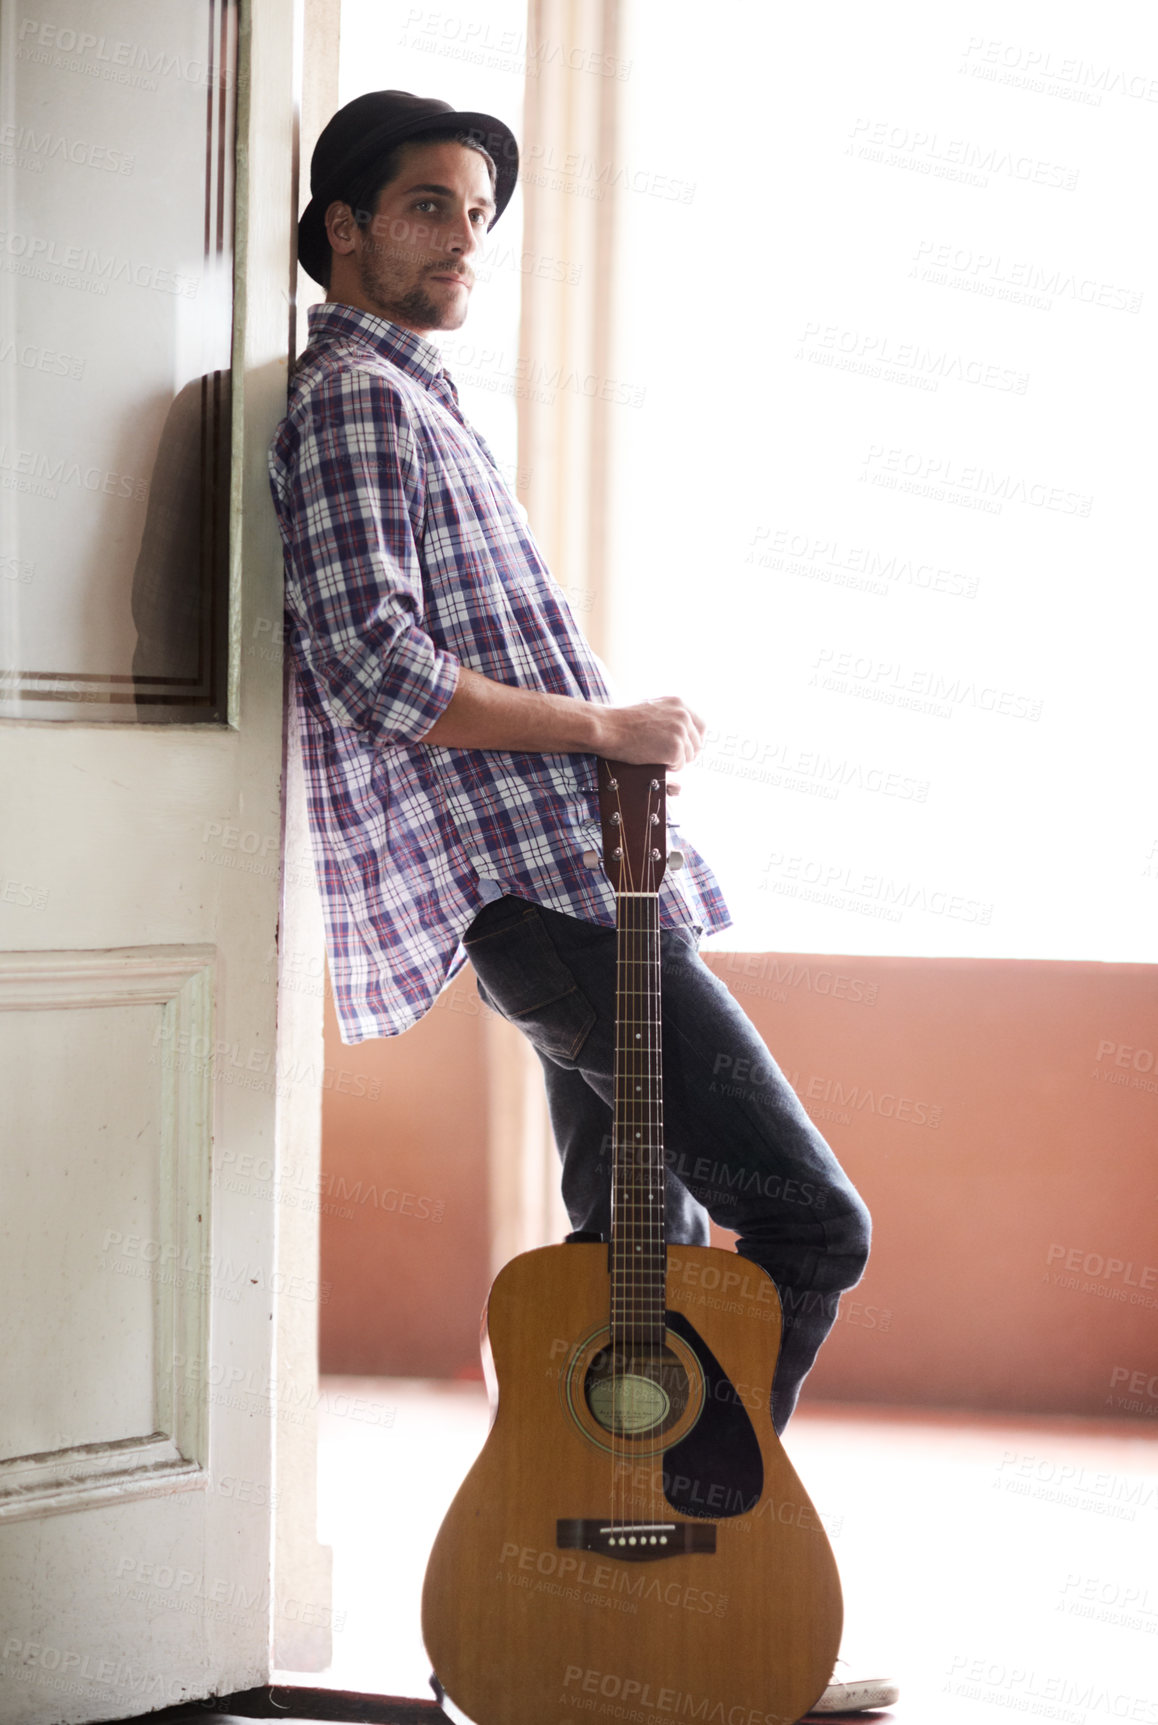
{"x":528,"y":983}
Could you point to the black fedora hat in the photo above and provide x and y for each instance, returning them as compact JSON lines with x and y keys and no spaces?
{"x":370,"y":127}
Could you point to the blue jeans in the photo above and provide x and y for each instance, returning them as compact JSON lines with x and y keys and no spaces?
{"x":737,"y":1142}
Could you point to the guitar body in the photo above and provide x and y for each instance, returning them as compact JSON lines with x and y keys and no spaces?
{"x":528,"y":1622}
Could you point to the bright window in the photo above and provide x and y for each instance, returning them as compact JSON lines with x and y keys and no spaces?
{"x":885,"y":514}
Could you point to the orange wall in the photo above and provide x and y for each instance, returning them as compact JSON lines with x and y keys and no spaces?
{"x":998,"y":1117}
{"x":404,"y":1196}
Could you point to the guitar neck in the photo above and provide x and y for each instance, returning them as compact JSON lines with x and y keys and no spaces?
{"x":638,"y":1248}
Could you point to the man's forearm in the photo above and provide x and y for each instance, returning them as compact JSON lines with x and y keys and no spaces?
{"x":483,"y":714}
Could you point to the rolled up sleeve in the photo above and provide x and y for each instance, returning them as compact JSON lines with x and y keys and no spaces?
{"x":351,"y":504}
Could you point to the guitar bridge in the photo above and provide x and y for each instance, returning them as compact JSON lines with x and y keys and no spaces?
{"x":636,"y":1541}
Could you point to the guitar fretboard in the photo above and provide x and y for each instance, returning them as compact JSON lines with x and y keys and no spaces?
{"x":638,"y":1249}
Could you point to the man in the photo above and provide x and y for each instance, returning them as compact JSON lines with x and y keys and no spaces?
{"x":452,"y":714}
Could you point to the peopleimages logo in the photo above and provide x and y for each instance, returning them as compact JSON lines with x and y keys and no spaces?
{"x":113,"y":61}
{"x":634,"y":1695}
{"x":829,"y":560}
{"x":41,"y":147}
{"x":22,"y":469}
{"x":1034,"y":67}
{"x":834,"y":669}
{"x":848,"y":888}
{"x":944,"y":477}
{"x":86,"y":268}
{"x":1101,"y":1266}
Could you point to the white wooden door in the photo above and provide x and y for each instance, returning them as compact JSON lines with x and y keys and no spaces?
{"x":144,"y":1289}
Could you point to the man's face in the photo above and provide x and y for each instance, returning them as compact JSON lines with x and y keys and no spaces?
{"x":414,"y":263}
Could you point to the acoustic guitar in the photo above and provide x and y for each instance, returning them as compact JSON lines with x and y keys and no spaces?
{"x":632,"y":1544}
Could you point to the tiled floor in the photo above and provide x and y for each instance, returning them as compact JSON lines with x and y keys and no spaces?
{"x":994,"y":1566}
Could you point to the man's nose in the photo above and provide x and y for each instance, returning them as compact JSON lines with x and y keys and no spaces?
{"x":462,"y":236}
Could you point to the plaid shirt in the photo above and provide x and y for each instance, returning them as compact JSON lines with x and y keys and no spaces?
{"x":407,"y":556}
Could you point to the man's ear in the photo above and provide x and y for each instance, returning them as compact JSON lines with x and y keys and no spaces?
{"x":341,"y":228}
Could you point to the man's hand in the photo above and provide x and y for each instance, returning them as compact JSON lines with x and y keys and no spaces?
{"x":665,"y":730}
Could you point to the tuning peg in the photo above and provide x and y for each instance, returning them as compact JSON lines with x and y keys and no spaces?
{"x":591,"y":859}
{"x":675,"y":859}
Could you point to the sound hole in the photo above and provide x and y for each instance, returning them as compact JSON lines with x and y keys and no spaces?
{"x":636,"y":1391}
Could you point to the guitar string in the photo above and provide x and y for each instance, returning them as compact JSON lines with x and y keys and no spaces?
{"x":639,"y":1269}
{"x":658,"y":1230}
{"x":639,"y":1187}
{"x":620,"y":1226}
{"x":658,"y":1278}
{"x":648,"y":1177}
{"x":627,"y":1287}
{"x":616,"y":1193}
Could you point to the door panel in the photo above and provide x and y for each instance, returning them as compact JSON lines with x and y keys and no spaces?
{"x":116,"y":321}
{"x":109,"y":1126}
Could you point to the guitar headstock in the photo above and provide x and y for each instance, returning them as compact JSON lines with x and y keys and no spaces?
{"x":633,"y":815}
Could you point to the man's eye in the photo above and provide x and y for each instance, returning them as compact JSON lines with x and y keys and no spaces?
{"x":426,"y":204}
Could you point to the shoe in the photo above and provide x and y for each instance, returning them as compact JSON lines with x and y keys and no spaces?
{"x":846,"y":1694}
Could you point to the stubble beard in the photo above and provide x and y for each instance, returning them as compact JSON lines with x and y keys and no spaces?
{"x":402,"y":302}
